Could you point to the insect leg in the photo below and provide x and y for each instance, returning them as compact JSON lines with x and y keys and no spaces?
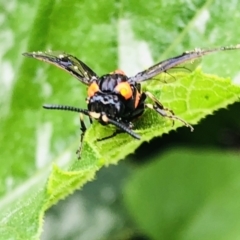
{"x":82,"y":124}
{"x":165,"y":112}
{"x":90,"y":120}
{"x":83,"y":131}
{"x":116,"y":132}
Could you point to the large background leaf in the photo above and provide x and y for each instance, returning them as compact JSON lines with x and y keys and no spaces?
{"x":105,"y":35}
{"x":205,"y":209}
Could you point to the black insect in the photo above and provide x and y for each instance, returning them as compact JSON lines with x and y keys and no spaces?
{"x":115,"y":98}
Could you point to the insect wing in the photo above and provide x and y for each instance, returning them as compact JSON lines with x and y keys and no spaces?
{"x":174,"y":73}
{"x":177,"y":61}
{"x":66,"y":62}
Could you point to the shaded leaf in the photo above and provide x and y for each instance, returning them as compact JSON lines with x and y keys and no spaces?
{"x":187,"y":194}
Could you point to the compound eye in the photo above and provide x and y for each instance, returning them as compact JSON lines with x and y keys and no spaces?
{"x":124,"y":89}
{"x":92,"y":89}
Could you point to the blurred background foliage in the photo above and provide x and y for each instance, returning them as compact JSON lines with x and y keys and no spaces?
{"x":180,"y":186}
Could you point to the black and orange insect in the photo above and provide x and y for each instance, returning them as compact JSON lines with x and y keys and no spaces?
{"x":115,"y":98}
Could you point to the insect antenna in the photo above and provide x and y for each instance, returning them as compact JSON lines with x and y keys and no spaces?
{"x":86,"y":112}
{"x":124,"y":128}
{"x":66,"y":108}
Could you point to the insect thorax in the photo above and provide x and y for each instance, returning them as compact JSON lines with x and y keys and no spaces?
{"x":108,"y":101}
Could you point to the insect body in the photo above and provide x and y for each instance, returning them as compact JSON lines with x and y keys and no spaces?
{"x":115,"y":98}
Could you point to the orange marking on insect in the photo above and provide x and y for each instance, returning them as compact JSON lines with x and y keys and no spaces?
{"x":118,"y":71}
{"x":137,"y":98}
{"x":92,"y":89}
{"x":124,"y":89}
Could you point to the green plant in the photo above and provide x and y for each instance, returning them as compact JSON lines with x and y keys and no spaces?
{"x":32,"y":181}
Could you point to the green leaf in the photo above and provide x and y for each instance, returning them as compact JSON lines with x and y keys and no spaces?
{"x":192,"y":97}
{"x":32,"y":139}
{"x":187,"y":194}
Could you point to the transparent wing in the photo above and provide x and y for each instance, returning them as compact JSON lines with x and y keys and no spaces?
{"x":66,"y":62}
{"x":169,"y":75}
{"x":166,"y":65}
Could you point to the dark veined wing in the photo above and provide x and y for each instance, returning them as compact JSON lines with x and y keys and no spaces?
{"x":66,"y":62}
{"x":174,"y":73}
{"x":174,"y":62}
